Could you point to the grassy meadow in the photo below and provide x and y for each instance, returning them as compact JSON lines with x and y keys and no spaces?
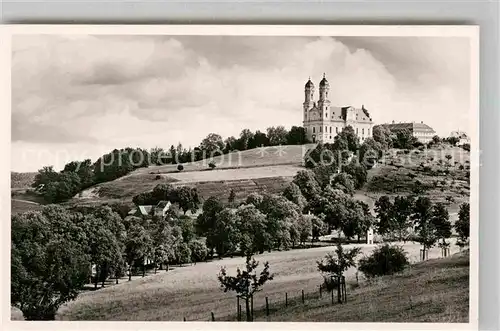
{"x":193,"y":291}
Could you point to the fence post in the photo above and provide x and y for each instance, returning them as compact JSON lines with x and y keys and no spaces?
{"x":184,"y":319}
{"x":239,"y":316}
{"x":286,"y":299}
{"x":332,"y":296}
{"x":238,"y":307}
{"x":213,"y":317}
{"x":267,"y":307}
{"x":320,"y":289}
{"x":303,"y":296}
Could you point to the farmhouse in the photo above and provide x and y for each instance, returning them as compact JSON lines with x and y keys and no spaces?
{"x":160,"y":210}
{"x":323,"y":122}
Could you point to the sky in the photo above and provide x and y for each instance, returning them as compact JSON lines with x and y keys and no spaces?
{"x":80,"y":96}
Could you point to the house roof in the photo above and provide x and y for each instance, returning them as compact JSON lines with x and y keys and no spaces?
{"x":420,"y":127}
{"x":459,"y":134}
{"x":145,"y":210}
{"x":362,"y":115}
{"x":163,"y":204}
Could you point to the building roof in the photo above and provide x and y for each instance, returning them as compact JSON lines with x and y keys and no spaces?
{"x":324,"y":82}
{"x":362,"y":114}
{"x":145,"y":210}
{"x":309,"y":84}
{"x":420,"y":127}
{"x":459,"y":134}
{"x":163,"y":204}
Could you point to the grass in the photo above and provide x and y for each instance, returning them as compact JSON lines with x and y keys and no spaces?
{"x":432,"y":291}
{"x":193,"y":291}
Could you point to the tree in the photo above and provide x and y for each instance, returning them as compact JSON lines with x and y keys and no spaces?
{"x":232,"y":197}
{"x":245,"y":136}
{"x":45,"y":176}
{"x":180,"y":167}
{"x":308,"y":185}
{"x":254,"y":233}
{"x":304,"y":226}
{"x":206,"y":221}
{"x":319,"y":228}
{"x":385,"y":218}
{"x":49,"y":262}
{"x":230,"y":144}
{"x":343,"y":182}
{"x":385,"y":260}
{"x":187,"y":198}
{"x":462,"y":225}
{"x":382,"y":135}
{"x":324,"y":155}
{"x":297,"y":136}
{"x":401,"y":213}
{"x":84,"y":170}
{"x":183,"y":253}
{"x":404,"y":139}
{"x":440,"y":220}
{"x":259,"y":139}
{"x":277,"y":135}
{"x":198,"y":249}
{"x":225,"y":235}
{"x":292,"y":192}
{"x":358,"y":173}
{"x":369,"y":152}
{"x":426,"y":230}
{"x":350,"y":137}
{"x":212,"y":145}
{"x":138,"y":245}
{"x":246,"y":282}
{"x":336,"y":265}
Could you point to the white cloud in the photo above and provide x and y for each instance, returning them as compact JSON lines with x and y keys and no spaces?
{"x":146,"y":91}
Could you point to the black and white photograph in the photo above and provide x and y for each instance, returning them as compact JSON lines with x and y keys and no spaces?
{"x":243,"y":174}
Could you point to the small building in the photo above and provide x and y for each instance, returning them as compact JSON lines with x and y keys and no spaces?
{"x":370,"y":236}
{"x":159,"y":210}
{"x":462,"y":137}
{"x":421,"y":131}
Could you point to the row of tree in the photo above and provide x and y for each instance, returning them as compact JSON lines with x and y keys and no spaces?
{"x":53,"y":251}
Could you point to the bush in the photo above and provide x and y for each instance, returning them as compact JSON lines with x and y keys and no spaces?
{"x":211,"y":165}
{"x":385,"y":260}
{"x":180,"y":167}
{"x":158,"y":177}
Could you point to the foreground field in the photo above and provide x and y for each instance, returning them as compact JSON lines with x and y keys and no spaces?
{"x":193,"y":291}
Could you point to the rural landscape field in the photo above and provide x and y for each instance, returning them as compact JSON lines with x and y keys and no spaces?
{"x":202,"y":178}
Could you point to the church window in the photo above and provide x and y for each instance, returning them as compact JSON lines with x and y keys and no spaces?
{"x":326,"y":114}
{"x":330,"y":129}
{"x":362,"y":131}
{"x":336,"y":129}
{"x":330,"y":137}
{"x":314,"y":129}
{"x":368,"y":131}
{"x":321,"y":129}
{"x":356,"y":130}
{"x":326,"y":128}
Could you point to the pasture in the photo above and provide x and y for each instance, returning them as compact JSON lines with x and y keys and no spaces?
{"x":193,"y":291}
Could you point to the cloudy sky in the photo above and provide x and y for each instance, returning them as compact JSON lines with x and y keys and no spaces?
{"x":77,"y":97}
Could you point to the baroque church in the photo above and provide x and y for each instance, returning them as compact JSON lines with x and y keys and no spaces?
{"x":323,"y":122}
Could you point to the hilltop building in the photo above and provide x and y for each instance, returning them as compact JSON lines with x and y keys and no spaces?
{"x":462,"y":136}
{"x":323,"y":122}
{"x":421,"y":131}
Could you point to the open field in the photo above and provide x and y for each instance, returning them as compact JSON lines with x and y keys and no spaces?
{"x":193,"y":291}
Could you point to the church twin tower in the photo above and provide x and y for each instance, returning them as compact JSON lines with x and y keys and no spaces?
{"x":323,"y":122}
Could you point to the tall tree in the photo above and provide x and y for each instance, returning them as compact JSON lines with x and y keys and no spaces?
{"x":297,"y":136}
{"x":401,"y":212}
{"x":212,"y":145}
{"x":277,"y":135}
{"x":427,"y":233}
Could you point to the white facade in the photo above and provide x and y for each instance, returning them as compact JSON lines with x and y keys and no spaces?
{"x":323,"y":122}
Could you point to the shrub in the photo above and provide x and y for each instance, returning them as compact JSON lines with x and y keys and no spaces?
{"x":385,"y":260}
{"x":180,"y":167}
{"x":211,"y":165}
{"x":158,"y":177}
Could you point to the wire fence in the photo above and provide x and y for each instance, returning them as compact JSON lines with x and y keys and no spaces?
{"x":273,"y":305}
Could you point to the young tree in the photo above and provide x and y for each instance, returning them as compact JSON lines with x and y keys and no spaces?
{"x":319,"y":228}
{"x":304,"y":226}
{"x":246,"y":282}
{"x":336,"y":264}
{"x":198,"y":249}
{"x":462,"y":225}
{"x":138,"y":245}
